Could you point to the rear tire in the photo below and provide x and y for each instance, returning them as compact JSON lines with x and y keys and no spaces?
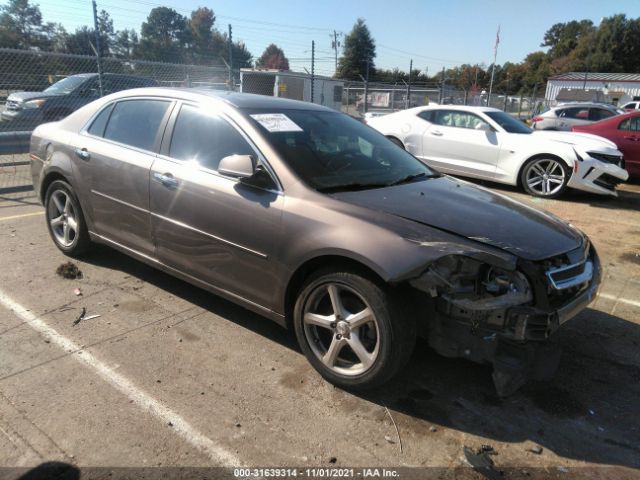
{"x":65,"y":220}
{"x":352,"y":330}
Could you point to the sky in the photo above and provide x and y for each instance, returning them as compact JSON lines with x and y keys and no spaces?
{"x":434,"y":33}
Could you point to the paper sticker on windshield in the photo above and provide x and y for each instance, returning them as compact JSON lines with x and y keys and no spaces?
{"x":276,"y":122}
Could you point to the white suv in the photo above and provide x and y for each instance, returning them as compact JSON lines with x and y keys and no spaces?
{"x":568,"y":115}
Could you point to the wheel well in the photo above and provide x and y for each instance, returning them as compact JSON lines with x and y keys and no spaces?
{"x":328,"y":263}
{"x":48,"y":180}
{"x":396,"y":139}
{"x":540,"y":155}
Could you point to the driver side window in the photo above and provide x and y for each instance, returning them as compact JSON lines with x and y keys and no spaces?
{"x":457,"y":119}
{"x":205,"y":138}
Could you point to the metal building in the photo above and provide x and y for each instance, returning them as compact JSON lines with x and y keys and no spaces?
{"x":615,"y":88}
{"x":296,"y":86}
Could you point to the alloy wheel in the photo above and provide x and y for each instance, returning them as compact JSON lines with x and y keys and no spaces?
{"x":545,"y":177}
{"x":341,"y":329}
{"x":61,"y":215}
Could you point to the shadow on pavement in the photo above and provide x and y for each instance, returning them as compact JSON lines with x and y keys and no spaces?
{"x":585,"y":413}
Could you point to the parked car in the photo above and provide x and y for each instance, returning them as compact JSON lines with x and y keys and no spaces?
{"x":624,"y":131}
{"x":487,"y":143}
{"x":316,"y":221}
{"x":26,"y":110}
{"x":568,"y":115}
{"x":631,"y":106}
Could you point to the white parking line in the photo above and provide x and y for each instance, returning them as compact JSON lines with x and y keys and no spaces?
{"x":615,"y":298}
{"x":13,"y":217}
{"x":217,"y":453}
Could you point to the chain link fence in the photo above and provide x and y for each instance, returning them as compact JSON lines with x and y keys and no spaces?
{"x":37,"y":87}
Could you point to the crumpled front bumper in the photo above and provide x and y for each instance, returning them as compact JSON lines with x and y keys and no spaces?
{"x":595,"y":176}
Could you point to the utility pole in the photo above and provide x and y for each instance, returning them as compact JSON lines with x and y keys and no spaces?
{"x":96,"y":26}
{"x":335,"y":44}
{"x":313,"y":67}
{"x":409,"y":85}
{"x":230,"y":59}
{"x":442,"y":88}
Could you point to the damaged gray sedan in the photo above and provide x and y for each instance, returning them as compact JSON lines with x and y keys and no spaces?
{"x":318,"y":222}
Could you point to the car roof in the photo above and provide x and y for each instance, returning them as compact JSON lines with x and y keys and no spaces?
{"x":235,"y":99}
{"x":469,"y":108}
{"x":584,"y":104}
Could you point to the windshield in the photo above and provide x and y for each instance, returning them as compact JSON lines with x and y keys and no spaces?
{"x":66,"y":85}
{"x":509,"y":123}
{"x":331,"y":151}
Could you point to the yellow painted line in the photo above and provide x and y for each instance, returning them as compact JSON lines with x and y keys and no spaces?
{"x":13,"y":217}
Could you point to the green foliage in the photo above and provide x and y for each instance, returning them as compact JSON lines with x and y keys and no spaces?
{"x":273,"y":57}
{"x":359,"y":48}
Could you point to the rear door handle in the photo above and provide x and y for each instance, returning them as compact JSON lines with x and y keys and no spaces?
{"x":633,"y":139}
{"x":437,"y":133}
{"x":83,"y":153}
{"x":166,"y":179}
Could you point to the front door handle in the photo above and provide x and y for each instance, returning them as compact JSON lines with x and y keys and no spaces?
{"x":437,"y":133}
{"x":633,"y":139}
{"x":166,"y":179}
{"x":83,"y":153}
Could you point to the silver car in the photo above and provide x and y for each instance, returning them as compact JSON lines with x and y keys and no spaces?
{"x":318,"y":222}
{"x":569,"y":115}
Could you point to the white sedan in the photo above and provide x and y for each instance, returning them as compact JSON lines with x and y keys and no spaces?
{"x":490,"y":144}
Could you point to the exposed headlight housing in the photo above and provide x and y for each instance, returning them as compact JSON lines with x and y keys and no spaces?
{"x":38,"y":103}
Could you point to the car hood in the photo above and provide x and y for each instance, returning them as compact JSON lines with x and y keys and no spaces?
{"x":26,"y":96}
{"x":475,"y":213}
{"x":587,"y":141}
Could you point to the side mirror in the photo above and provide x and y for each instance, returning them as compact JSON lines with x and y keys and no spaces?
{"x":485,"y":127}
{"x":238,"y":166}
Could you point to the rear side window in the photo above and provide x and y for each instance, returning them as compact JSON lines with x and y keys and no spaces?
{"x":426,"y":115}
{"x":97,"y":127}
{"x":136,"y":122}
{"x":579,"y":113}
{"x":205,"y":138}
{"x":596,"y":114}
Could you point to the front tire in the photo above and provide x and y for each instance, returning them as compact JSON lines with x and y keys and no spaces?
{"x":65,"y":220}
{"x":545,"y":177}
{"x":352,"y":330}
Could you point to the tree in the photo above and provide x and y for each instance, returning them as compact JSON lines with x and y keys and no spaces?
{"x":125,"y":44}
{"x":359,"y":48}
{"x":564,"y":37}
{"x":273,"y":57}
{"x":242,"y":57}
{"x":201,"y":27}
{"x":21,"y":26}
{"x":164,"y":36}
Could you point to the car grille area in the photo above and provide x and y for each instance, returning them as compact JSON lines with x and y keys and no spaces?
{"x":603,"y":157}
{"x":12,"y":105}
{"x":607,"y":181}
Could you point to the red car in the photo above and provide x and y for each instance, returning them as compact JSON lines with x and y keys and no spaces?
{"x":624,"y":131}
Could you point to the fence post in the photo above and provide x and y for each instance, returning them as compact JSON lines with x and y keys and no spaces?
{"x":366,"y":88}
{"x":407,"y":103}
{"x":97,"y":30}
{"x":313,"y":65}
{"x":466,"y":97}
{"x":504,"y":107}
{"x":231,"y":85}
{"x":520,"y":106}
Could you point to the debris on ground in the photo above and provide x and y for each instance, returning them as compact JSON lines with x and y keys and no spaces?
{"x":433,"y":429}
{"x":396,"y":427}
{"x":77,"y":292}
{"x":537,"y":450}
{"x":482,"y":462}
{"x":69,"y":270}
{"x":333,"y":460}
{"x":83,"y":316}
{"x":389,"y":439}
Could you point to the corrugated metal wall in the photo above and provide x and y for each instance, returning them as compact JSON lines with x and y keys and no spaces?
{"x":624,"y":91}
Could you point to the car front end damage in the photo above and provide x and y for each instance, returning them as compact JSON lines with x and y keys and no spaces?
{"x":598,"y":171}
{"x":505,"y":317}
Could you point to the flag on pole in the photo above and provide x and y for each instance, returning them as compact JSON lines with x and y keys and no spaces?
{"x":495,"y":47}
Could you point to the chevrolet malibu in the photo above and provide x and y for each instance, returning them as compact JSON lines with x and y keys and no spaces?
{"x":319,"y":223}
